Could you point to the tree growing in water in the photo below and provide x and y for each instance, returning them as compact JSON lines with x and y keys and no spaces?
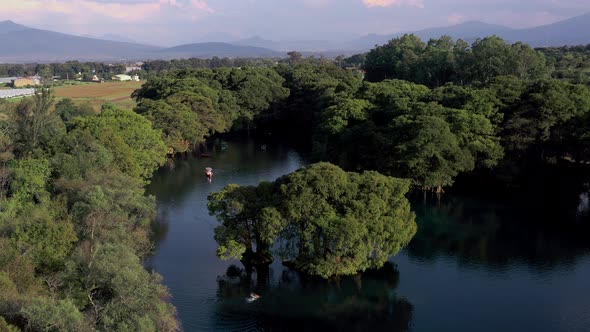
{"x":250,"y":223}
{"x":325,"y":221}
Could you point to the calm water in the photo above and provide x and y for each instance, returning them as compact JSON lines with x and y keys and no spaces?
{"x":475,"y":265}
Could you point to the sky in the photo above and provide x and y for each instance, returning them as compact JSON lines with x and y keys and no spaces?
{"x":172,"y":22}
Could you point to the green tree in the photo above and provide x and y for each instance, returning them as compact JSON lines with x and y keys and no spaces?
{"x":36,"y":122}
{"x":341,"y":223}
{"x":249,"y":221}
{"x":541,"y":115}
{"x":44,"y":314}
{"x":67,"y":110}
{"x":325,"y":221}
{"x":397,"y":59}
{"x":137,"y":148}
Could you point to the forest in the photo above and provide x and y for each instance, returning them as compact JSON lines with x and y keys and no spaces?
{"x":409,"y":116}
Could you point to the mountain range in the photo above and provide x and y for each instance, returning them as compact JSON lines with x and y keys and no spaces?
{"x":22,"y":44}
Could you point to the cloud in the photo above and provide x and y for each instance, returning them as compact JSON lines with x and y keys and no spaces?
{"x":200,"y":5}
{"x":390,"y":3}
{"x":94,"y":10}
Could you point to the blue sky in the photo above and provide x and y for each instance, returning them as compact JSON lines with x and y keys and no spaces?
{"x":170,"y":22}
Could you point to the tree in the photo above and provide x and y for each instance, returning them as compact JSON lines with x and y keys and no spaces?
{"x":67,"y":110}
{"x":249,"y":221}
{"x":294,"y":57}
{"x":36,"y":122}
{"x":29,"y":180}
{"x":326,"y":221}
{"x":342,"y":223}
{"x":120,"y":293}
{"x":44,"y":314}
{"x":137,"y":148}
{"x":541,"y":115}
{"x":398,"y":58}
{"x":426,"y":151}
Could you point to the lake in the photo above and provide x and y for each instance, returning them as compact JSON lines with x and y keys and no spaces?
{"x":475,"y":264}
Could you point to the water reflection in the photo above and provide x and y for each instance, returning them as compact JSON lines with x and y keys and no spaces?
{"x":583,"y":205}
{"x":475,"y":264}
{"x":485,"y":232}
{"x":292,"y":302}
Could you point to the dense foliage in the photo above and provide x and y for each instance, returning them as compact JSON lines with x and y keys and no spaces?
{"x":323,"y":220}
{"x":74,"y":220}
{"x":427,"y":111}
{"x":443,"y":60}
{"x":570,"y":63}
{"x":190,"y":105}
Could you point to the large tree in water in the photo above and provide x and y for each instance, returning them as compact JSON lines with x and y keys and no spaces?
{"x":323,"y":220}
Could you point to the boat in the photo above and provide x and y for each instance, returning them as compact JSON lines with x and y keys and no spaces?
{"x":209,"y":172}
{"x":253,"y":297}
{"x":205,"y":155}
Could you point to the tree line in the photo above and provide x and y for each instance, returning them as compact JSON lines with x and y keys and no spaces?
{"x":69,"y":69}
{"x":74,"y":220}
{"x":418,"y":115}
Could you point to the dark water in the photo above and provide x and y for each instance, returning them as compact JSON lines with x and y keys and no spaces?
{"x":475,"y":264}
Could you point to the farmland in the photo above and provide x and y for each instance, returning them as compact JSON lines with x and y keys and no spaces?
{"x":96,"y":94}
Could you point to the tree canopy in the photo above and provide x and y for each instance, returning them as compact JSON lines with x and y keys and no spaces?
{"x":323,"y":220}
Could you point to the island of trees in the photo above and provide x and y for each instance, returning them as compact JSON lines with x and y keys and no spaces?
{"x":407,"y":116}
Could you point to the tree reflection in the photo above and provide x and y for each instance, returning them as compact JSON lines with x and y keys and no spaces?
{"x":294,"y":302}
{"x":479,"y":231}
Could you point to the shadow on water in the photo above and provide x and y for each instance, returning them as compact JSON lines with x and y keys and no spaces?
{"x":497,"y":235}
{"x":365,"y":302}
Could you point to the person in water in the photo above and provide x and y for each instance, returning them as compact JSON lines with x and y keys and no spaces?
{"x":253,"y":297}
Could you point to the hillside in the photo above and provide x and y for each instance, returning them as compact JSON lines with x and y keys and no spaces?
{"x":22,"y":44}
{"x":208,"y":50}
{"x":9,"y":26}
{"x":573,"y":31}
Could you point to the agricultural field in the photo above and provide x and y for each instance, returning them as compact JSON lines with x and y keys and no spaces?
{"x":96,"y":94}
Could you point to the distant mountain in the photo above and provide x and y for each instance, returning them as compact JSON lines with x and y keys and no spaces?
{"x":208,"y":50}
{"x":22,"y":44}
{"x":9,"y":26}
{"x":258,"y":42}
{"x":115,"y":37}
{"x":214,"y":36}
{"x":306,"y":46}
{"x":468,"y":31}
{"x":573,"y":31}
